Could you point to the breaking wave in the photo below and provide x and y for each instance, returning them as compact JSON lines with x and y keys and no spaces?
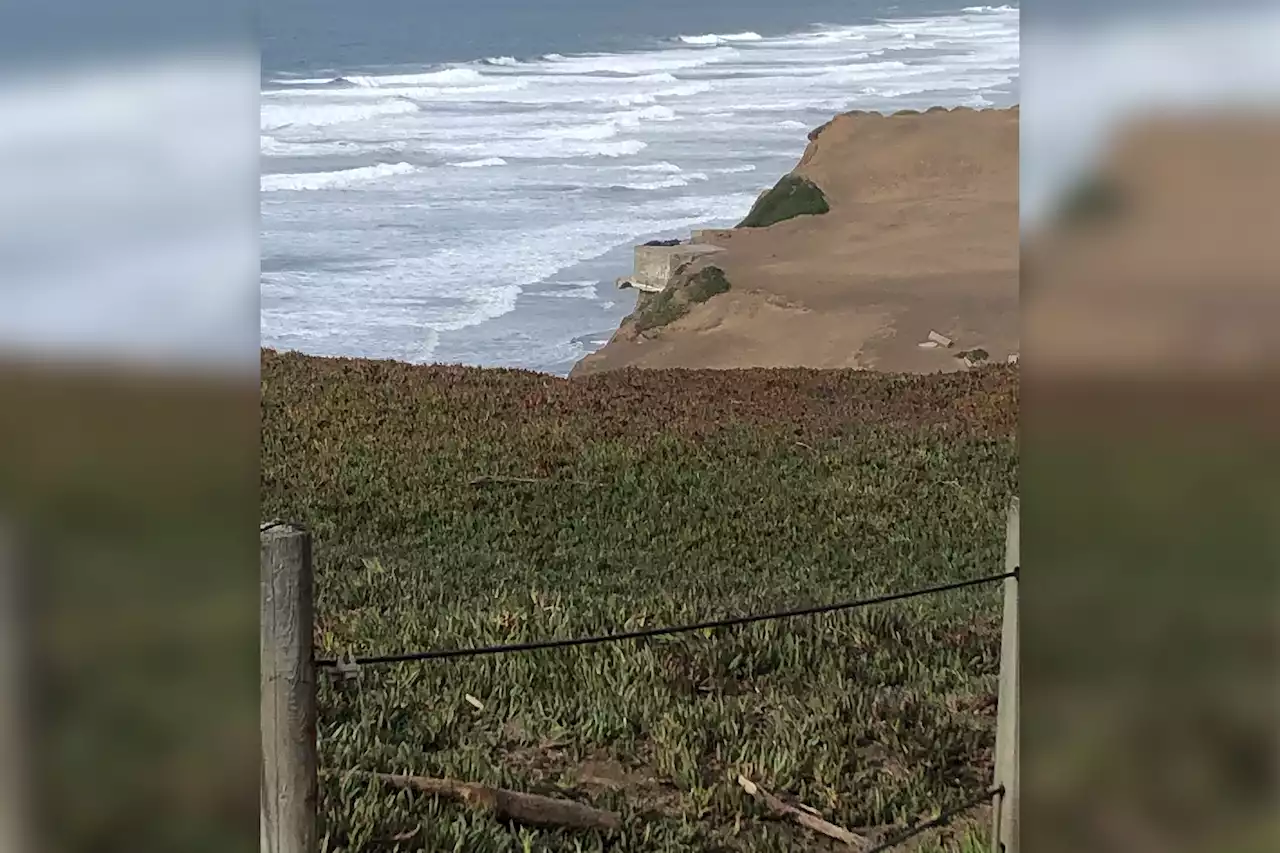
{"x":331,"y":180}
{"x":480,"y":164}
{"x":717,"y":39}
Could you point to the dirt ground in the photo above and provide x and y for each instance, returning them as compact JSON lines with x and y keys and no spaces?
{"x":922,"y":235}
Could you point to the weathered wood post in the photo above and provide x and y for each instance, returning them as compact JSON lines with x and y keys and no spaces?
{"x":289,"y":783}
{"x":1004,"y":807}
{"x":16,"y":830}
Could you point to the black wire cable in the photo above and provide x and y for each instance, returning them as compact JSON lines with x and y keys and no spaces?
{"x":442,"y":654}
{"x":943,"y":818}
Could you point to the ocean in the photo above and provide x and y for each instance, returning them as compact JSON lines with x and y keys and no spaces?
{"x":463,"y":183}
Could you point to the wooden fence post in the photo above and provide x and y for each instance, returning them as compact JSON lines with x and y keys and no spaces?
{"x":16,"y":822}
{"x":289,"y":782}
{"x":1004,"y":807}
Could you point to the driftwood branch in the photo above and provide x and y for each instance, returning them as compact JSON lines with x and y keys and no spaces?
{"x":492,"y":479}
{"x":806,"y":818}
{"x":529,"y":809}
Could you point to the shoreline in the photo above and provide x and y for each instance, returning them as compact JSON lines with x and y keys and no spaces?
{"x":372,"y":232}
{"x":687,"y":342}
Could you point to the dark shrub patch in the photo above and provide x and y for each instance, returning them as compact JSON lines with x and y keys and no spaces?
{"x":659,"y":309}
{"x":791,"y":197}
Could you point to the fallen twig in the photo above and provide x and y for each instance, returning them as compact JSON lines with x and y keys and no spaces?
{"x":515,"y":806}
{"x":488,"y":479}
{"x":804,"y":816}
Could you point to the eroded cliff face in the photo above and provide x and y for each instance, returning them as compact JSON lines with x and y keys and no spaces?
{"x":921,"y":235}
{"x":691,"y":286}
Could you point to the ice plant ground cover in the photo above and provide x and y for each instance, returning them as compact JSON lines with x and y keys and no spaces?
{"x":458,"y":507}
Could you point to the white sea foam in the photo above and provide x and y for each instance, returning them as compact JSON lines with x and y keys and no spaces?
{"x":270,"y":146}
{"x":401,"y":308}
{"x":640,"y":63}
{"x":330,"y":180}
{"x":276,"y":116}
{"x":686,"y":90}
{"x":603,"y":130}
{"x":379,"y":90}
{"x":547,"y":147}
{"x":663,"y":167}
{"x":658,"y":77}
{"x":716,"y":38}
{"x":711,"y":39}
{"x":633,"y":118}
{"x":865,"y":70}
{"x":480,"y":164}
{"x":506,"y":61}
{"x":664,"y":184}
{"x":570,"y":290}
{"x":627,"y":100}
{"x":624,"y":148}
{"x":443,"y":77}
{"x":304,"y":81}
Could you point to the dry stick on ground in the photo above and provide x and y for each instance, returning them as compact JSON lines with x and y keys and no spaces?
{"x":804,"y":818}
{"x":487,"y":479}
{"x":507,"y":805}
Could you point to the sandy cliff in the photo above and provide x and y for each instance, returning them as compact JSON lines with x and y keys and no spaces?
{"x":921,"y":235}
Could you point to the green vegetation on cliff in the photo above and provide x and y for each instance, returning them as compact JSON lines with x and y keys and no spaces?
{"x":791,"y":197}
{"x":708,"y":282}
{"x":454,"y":507}
{"x":658,"y":309}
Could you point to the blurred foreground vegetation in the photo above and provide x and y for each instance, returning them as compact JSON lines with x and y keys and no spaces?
{"x":455,"y":507}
